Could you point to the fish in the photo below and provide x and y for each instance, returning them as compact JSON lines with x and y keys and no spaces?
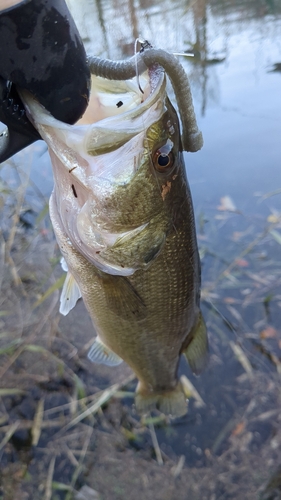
{"x":123,"y":217}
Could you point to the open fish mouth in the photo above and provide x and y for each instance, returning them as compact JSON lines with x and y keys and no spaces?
{"x":102,"y":151}
{"x":116,"y":113}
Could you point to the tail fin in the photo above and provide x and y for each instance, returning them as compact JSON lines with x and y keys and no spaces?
{"x":171,"y":402}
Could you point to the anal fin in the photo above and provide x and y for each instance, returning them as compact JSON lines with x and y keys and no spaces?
{"x":102,"y":355}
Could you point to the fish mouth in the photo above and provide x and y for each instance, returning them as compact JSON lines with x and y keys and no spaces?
{"x":102,"y":151}
{"x":112,"y":103}
{"x":118,"y":112}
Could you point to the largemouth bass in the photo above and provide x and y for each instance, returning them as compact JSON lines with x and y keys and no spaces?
{"x":122,"y":213}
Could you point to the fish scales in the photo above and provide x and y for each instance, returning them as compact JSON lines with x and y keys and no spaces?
{"x":130,"y":246}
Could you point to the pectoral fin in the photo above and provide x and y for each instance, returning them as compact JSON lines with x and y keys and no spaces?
{"x":63,"y":264}
{"x":102,"y":355}
{"x":196,"y":352}
{"x":69,"y":295}
{"x":139,"y":247}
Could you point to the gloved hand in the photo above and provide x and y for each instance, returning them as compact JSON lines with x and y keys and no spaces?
{"x":40,"y":51}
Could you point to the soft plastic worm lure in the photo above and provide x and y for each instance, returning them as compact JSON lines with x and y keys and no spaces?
{"x":192,"y":139}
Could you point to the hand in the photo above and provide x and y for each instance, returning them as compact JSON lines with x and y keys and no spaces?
{"x":40,"y":51}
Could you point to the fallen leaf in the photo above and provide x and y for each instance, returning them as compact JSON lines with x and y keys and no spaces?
{"x":238,"y":429}
{"x":273,"y":218}
{"x":231,"y":300}
{"x":268,"y":333}
{"x":227,"y":204}
{"x":44,"y":232}
{"x":241,"y":262}
{"x":237,"y":235}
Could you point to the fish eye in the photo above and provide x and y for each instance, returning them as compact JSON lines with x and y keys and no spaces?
{"x":163,"y":158}
{"x":163,"y":161}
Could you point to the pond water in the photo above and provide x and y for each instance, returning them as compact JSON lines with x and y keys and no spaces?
{"x":229,"y":444}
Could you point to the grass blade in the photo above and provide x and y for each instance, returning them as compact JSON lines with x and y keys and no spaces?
{"x":56,"y":286}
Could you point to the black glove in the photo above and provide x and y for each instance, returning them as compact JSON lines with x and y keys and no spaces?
{"x":40,"y":51}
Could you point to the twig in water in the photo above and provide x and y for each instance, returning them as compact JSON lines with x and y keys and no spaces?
{"x":71,"y":456}
{"x":242,"y":358}
{"x":106,"y":395}
{"x":37,"y":426}
{"x":176,"y":470}
{"x":223,"y":434}
{"x":48,"y":490}
{"x":190,"y":391}
{"x":12,"y":429}
{"x":30,"y":338}
{"x":155,"y":444}
{"x":27,"y":424}
{"x":80,"y":463}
